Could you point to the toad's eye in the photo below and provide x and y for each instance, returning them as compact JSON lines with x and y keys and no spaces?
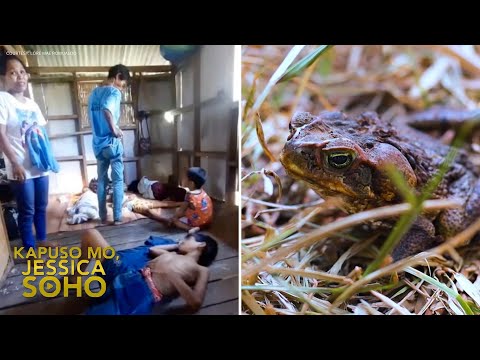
{"x":339,"y":160}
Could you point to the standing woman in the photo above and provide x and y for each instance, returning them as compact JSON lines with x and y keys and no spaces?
{"x":30,"y":184}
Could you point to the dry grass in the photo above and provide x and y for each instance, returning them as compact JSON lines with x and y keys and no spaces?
{"x":300,"y":254}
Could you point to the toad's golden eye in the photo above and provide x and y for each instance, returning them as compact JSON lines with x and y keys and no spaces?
{"x":339,"y":160}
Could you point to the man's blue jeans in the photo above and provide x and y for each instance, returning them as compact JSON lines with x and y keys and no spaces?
{"x":111,"y":155}
{"x":32,"y":200}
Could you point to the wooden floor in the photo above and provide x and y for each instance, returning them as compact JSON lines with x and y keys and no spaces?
{"x":222,"y":291}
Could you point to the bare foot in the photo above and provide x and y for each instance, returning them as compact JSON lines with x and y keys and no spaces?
{"x":193,"y":230}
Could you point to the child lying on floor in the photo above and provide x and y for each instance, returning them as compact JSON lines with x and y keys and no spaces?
{"x":155,"y":190}
{"x":142,"y":206}
{"x":135,"y":282}
{"x":197,"y":209}
{"x":84,"y":209}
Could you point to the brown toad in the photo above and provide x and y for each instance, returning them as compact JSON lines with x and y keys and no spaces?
{"x":345,"y":157}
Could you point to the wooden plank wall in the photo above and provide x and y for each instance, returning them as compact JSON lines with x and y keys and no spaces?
{"x":196,"y":157}
{"x":43,"y":75}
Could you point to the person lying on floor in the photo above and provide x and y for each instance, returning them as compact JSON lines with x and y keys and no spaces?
{"x":155,"y":190}
{"x":158,"y":195}
{"x":84,"y":209}
{"x":156,"y":272}
{"x":195,"y":212}
{"x":141,"y":206}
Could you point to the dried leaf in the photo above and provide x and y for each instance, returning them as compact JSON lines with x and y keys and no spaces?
{"x":267,"y":184}
{"x":278,"y":181}
{"x":391,"y":303}
{"x":250,"y":301}
{"x":261,"y":138}
{"x":270,"y":234}
{"x":365,"y":309}
{"x":431,"y":77}
{"x":270,"y":310}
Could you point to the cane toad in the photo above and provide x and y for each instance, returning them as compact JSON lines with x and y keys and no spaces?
{"x":345,"y":157}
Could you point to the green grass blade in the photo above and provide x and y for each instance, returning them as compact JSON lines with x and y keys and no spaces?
{"x":400,"y":229}
{"x":303,"y":64}
{"x":443,"y":287}
{"x":304,"y":289}
{"x":250,"y":98}
{"x":277,"y":75}
{"x":399,"y":180}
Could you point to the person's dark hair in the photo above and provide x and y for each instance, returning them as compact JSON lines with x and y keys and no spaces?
{"x":210,"y":250}
{"x":121,"y":70}
{"x":198,"y":176}
{"x":133,"y":187}
{"x":4,"y":59}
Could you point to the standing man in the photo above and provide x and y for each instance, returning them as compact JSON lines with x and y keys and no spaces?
{"x":104,"y":112}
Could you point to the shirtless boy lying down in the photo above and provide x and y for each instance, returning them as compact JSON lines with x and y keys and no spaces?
{"x":146,"y":275}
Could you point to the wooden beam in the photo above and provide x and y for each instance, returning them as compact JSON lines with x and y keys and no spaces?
{"x":86,"y":69}
{"x":162,"y":149}
{"x":63,"y":117}
{"x":36,"y":78}
{"x":69,"y":158}
{"x":125,"y":159}
{"x":175,"y":157}
{"x":76,"y":133}
{"x":232,"y":179}
{"x":9,"y":48}
{"x":197,"y":70}
{"x":183,"y":110}
{"x":158,"y":77}
{"x":213,"y":154}
{"x":18,"y":51}
{"x":220,"y":98}
{"x":135,"y":88}
{"x":81,"y":145}
{"x":53,"y":79}
{"x":84,"y":132}
{"x":64,"y":78}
